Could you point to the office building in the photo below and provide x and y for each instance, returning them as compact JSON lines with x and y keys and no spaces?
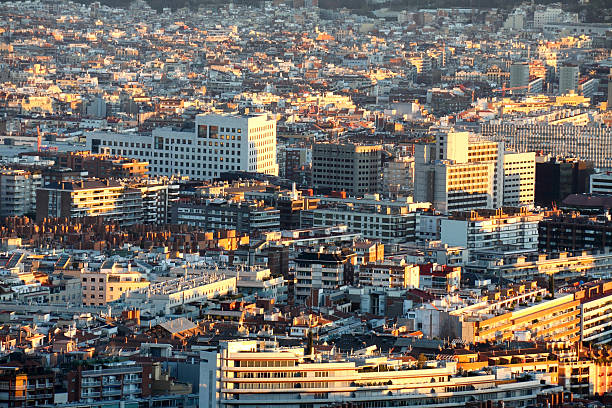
{"x":216,"y":144}
{"x":568,"y":78}
{"x":18,"y":192}
{"x":348,"y":167}
{"x":558,"y":177}
{"x":600,"y":183}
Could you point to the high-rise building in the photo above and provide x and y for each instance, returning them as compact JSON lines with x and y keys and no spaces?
{"x":461,"y":172}
{"x":556,"y":178}
{"x":18,"y":192}
{"x":216,"y":144}
{"x":457,"y":173}
{"x":519,"y":76}
{"x":519,"y":179}
{"x":347,"y":167}
{"x":568,"y":78}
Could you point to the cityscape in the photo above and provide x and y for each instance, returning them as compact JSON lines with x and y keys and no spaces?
{"x":306,"y":203}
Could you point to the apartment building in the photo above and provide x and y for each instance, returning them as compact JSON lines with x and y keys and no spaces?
{"x":171,"y":295}
{"x":356,"y":169}
{"x":600,"y":183}
{"x":458,"y":173}
{"x":440,"y":279}
{"x":126,"y":203}
{"x":98,"y":380}
{"x":220,"y":214}
{"x":520,"y":309}
{"x":26,"y":384}
{"x":216,"y":143}
{"x":252,"y":374}
{"x":108,"y":283}
{"x":389,"y":221}
{"x":316,"y":272}
{"x":590,"y":143}
{"x":518,"y":265}
{"x":482,"y":229}
{"x":389,"y":274}
{"x":18,"y":192}
{"x":574,"y":232}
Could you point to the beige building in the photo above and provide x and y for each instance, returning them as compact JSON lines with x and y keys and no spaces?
{"x":109,"y":283}
{"x":389,"y":274}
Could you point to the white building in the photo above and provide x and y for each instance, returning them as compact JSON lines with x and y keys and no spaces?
{"x":250,"y":374}
{"x":488,"y":229}
{"x":600,"y":183}
{"x":460,"y":172}
{"x":18,"y":192}
{"x":519,"y":179}
{"x":217,"y":144}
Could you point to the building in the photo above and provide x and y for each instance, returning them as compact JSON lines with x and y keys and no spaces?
{"x":519,"y":266}
{"x":389,"y":274}
{"x":488,"y":229}
{"x":568,"y":78}
{"x":123,"y":202}
{"x":519,"y":77}
{"x":558,"y":177}
{"x":99,"y":380}
{"x":173,"y":295}
{"x":461,"y":172}
{"x":108,"y":283}
{"x":389,"y":221}
{"x":574,"y":232}
{"x":600,"y":183}
{"x":518,"y":309}
{"x":220,"y":214}
{"x":398,"y":177}
{"x":215,"y":144}
{"x":26,"y":382}
{"x":519,"y":179}
{"x":18,"y":192}
{"x":253,"y":374}
{"x":589,"y":143}
{"x":348,"y":167}
{"x":316,"y":272}
{"x":439,"y":279}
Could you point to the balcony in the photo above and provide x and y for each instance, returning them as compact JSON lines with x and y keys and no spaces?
{"x":108,"y":393}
